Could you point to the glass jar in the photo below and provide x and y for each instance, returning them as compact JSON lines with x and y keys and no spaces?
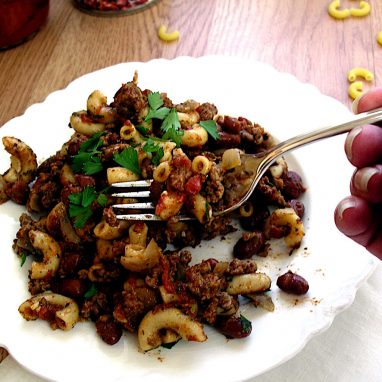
{"x":112,"y":7}
{"x":20,"y":20}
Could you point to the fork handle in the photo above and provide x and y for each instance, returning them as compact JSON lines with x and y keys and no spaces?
{"x":368,"y":117}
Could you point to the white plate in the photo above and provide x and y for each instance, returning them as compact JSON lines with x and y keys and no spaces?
{"x":332,"y":264}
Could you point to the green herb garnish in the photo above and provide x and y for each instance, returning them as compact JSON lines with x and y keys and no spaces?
{"x":142,"y":130}
{"x":155,"y":149}
{"x":128,"y":158}
{"x":170,"y":345}
{"x":156,"y":111}
{"x":207,"y":207}
{"x":91,"y":291}
{"x":171,"y":128}
{"x":210,"y":127}
{"x":102,"y":199}
{"x":23,"y":259}
{"x":246,"y":324}
{"x":80,"y":205}
{"x":88,"y":160}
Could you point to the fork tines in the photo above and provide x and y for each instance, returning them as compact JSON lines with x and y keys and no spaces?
{"x":134,"y":190}
{"x":131,"y":189}
{"x":131,"y":210}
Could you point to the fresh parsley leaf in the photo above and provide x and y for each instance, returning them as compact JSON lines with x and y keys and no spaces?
{"x":23,"y":259}
{"x":155,"y":149}
{"x":207,"y":207}
{"x":150,"y":146}
{"x":91,"y":291}
{"x":158,"y":114}
{"x":155,"y":100}
{"x":102,"y":200}
{"x":88,"y":160}
{"x":170,"y":345}
{"x":210,"y":127}
{"x":128,"y":158}
{"x":156,"y":111}
{"x":75,"y":198}
{"x":246,"y":324}
{"x":78,"y":161}
{"x":171,"y":128}
{"x":154,"y":138}
{"x":81,"y":215}
{"x":88,"y":196}
{"x":92,"y":166}
{"x":80,"y":205}
{"x":142,"y":130}
{"x":92,"y":144}
{"x":171,"y":121}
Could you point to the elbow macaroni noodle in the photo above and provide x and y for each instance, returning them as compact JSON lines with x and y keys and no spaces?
{"x":360,"y":72}
{"x":340,"y":14}
{"x":105,"y":231}
{"x":167,"y":36}
{"x":129,"y":133}
{"x":162,"y":172}
{"x":120,"y":174}
{"x":337,"y":13}
{"x":154,"y":322}
{"x":363,"y":10}
{"x":65,"y":317}
{"x":138,"y":258}
{"x":138,"y":233}
{"x":355,"y":89}
{"x":194,"y":137}
{"x":51,"y":251}
{"x":201,"y":165}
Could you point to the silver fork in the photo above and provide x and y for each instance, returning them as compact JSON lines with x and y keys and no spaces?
{"x":259,"y":163}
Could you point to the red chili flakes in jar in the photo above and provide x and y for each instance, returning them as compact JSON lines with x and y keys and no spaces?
{"x":112,"y":5}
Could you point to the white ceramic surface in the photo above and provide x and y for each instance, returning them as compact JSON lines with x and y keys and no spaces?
{"x":332,"y":264}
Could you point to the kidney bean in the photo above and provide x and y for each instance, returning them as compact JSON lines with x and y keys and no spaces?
{"x":234,"y":326}
{"x":292,"y":283}
{"x":70,"y":262}
{"x":248,"y":245}
{"x":293,"y":186}
{"x":108,"y":330}
{"x":72,"y":287}
{"x":227,"y":140}
{"x":298,"y":207}
{"x":232,"y":125}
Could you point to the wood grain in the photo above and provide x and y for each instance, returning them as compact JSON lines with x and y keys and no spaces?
{"x":295,"y":36}
{"x":298,"y":37}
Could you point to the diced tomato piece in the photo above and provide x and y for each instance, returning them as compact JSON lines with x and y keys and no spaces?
{"x":166,"y":277}
{"x":181,"y":161}
{"x":193,"y":185}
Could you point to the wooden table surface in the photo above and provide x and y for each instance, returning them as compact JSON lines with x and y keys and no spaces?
{"x":295,"y":36}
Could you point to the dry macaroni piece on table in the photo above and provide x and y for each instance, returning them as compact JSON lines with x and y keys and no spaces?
{"x":85,"y":264}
